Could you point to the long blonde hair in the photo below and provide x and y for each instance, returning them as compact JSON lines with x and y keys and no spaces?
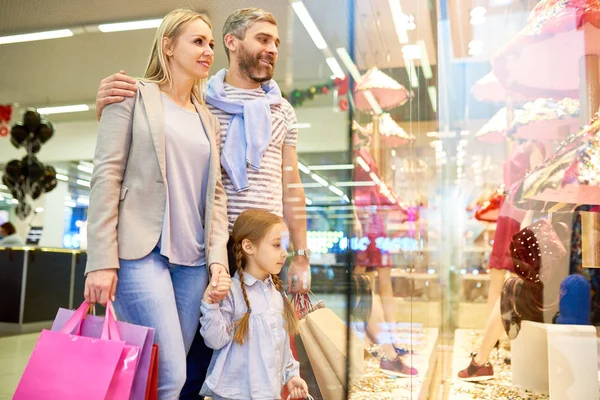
{"x":171,"y":27}
{"x":253,"y":225}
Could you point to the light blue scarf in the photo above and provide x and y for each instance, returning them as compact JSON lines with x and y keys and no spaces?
{"x":250,"y":130}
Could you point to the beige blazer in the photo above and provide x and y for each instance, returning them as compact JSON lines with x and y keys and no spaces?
{"x":128,"y":186}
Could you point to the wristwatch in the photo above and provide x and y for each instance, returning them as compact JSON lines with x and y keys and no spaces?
{"x":304,"y":253}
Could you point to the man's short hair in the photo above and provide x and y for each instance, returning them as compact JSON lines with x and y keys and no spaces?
{"x":238,"y":23}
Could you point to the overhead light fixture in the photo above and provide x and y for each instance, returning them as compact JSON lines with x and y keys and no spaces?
{"x":130,"y":26}
{"x":308,"y":201}
{"x":425,"y":62}
{"x":355,"y":184}
{"x":32,"y":37}
{"x":331,"y":167}
{"x":399,"y":21}
{"x":309,"y":24}
{"x":363,"y":164}
{"x":85,"y":168}
{"x":303,"y":168}
{"x":63,"y":109}
{"x":334,"y":66}
{"x":39,"y":210}
{"x":62,"y":177}
{"x":83,"y":200}
{"x":300,"y":126}
{"x":348,"y":63}
{"x":336,"y":190}
{"x":320,"y":180}
{"x":70,"y":203}
{"x":375,"y":178}
{"x":83,"y":183}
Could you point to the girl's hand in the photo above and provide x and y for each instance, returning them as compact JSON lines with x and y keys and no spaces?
{"x":214,"y":294}
{"x":297,"y":388}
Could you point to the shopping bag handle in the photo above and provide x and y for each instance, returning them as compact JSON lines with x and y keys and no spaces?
{"x":76,"y":318}
{"x":110,"y":330}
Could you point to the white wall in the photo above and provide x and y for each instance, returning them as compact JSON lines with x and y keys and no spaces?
{"x":71,"y":141}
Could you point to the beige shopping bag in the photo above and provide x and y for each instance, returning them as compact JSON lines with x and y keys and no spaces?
{"x":331,"y":333}
{"x":330,"y":386}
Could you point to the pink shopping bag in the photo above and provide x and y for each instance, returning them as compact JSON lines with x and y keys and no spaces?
{"x":134,"y":335}
{"x":66,"y":366}
{"x":122,"y":382}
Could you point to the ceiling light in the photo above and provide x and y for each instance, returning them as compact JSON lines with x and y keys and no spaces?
{"x":31,"y":37}
{"x":300,"y":126}
{"x":63,"y":109}
{"x":355,"y":184}
{"x":303,"y":168}
{"x":308,"y":201}
{"x":363,"y":164}
{"x":85,"y":168}
{"x":331,"y":167}
{"x":399,"y":23}
{"x":130,"y":26}
{"x":83,"y":183}
{"x":62,"y":177}
{"x":334,"y":66}
{"x":39,"y":210}
{"x":348,"y":63}
{"x":70,"y":203}
{"x":309,"y":25}
{"x":335,"y":190}
{"x":375,"y":178}
{"x":320,"y":180}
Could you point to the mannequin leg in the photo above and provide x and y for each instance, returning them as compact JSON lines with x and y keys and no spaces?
{"x":497,"y":278}
{"x":493,"y":331}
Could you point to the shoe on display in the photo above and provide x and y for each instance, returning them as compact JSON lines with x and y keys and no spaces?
{"x":396,"y":368}
{"x":477,"y":373}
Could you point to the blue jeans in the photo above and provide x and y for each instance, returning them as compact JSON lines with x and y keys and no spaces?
{"x":155,"y":293}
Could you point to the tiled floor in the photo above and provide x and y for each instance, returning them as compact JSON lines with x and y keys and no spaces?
{"x":14,"y":354}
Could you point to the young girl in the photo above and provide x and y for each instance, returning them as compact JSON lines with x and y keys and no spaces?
{"x":250,"y":328}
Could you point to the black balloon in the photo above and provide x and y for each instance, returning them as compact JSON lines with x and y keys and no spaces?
{"x":49,"y":186}
{"x":13,"y":169}
{"x":45,"y":131}
{"x":36,"y":146}
{"x":18,"y":134}
{"x":35,"y":170}
{"x":31,"y":120}
{"x":36,"y":190}
{"x":49,"y":173}
{"x":7,"y":181}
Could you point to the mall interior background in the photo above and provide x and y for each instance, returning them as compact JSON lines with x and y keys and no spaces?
{"x":436,"y":167}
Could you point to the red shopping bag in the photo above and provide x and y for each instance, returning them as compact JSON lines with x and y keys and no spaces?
{"x":152,"y":387}
{"x":66,"y":366}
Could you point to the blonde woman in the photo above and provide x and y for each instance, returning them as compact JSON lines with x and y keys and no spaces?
{"x":157,"y":220}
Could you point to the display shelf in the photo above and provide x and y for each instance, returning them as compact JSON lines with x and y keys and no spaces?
{"x":374,"y":385}
{"x":467,"y":341}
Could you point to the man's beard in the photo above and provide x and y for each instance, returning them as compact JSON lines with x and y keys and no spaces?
{"x":251,"y":66}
